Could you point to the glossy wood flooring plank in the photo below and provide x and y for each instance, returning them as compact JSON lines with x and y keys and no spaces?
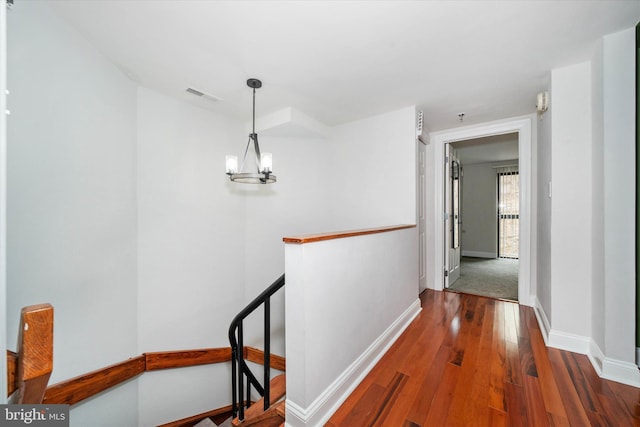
{"x":378,"y":417}
{"x":549,"y":388}
{"x":476,"y":408}
{"x":629,"y":397}
{"x":362,"y":409}
{"x":609,"y":404}
{"x":468,"y":365}
{"x":496,"y":376}
{"x":423,"y":401}
{"x":439,"y":410}
{"x":474,"y":361}
{"x":536,"y":412}
{"x":576,"y":413}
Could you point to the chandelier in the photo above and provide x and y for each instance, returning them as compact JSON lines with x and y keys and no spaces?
{"x":264,"y":161}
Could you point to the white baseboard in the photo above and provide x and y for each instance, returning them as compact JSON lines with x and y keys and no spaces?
{"x":478,"y":254}
{"x":596,"y":357}
{"x":543,"y":321}
{"x":321,"y":409}
{"x":621,"y":372}
{"x":569,"y":342}
{"x":605,"y":367}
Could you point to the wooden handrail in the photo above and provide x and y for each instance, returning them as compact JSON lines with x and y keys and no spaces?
{"x":310,"y":238}
{"x":82,"y":387}
{"x":29,"y":370}
{"x":12,"y":372}
{"x":87,"y":385}
{"x":257,"y":356}
{"x":35,"y":354}
{"x":184,"y":358}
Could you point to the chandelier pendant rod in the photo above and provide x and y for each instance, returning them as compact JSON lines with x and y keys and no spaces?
{"x":254,"y":135}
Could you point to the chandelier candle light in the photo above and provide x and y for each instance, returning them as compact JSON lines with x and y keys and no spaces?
{"x":264,"y":161}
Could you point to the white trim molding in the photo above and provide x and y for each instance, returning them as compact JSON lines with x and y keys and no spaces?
{"x":522,"y":126}
{"x":323,"y":407}
{"x":569,"y":342}
{"x":605,"y":367}
{"x":543,"y":321}
{"x":620,"y":371}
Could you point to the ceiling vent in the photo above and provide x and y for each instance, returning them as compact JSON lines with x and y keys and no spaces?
{"x":201,"y":94}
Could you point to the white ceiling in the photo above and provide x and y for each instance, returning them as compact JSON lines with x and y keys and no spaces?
{"x":338,"y":61}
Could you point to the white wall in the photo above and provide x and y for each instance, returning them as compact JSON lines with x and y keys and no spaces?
{"x":3,"y":195}
{"x":374,"y":171}
{"x":296,"y":204}
{"x":479,"y":197}
{"x":191,"y":232}
{"x":72,"y":202}
{"x":319,"y":190}
{"x":598,"y":317}
{"x":571,"y":208}
{"x":592,"y":310}
{"x":348,"y":299}
{"x":619,"y":205}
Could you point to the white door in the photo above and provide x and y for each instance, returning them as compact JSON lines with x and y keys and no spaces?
{"x":422,"y":221}
{"x":453,"y":183}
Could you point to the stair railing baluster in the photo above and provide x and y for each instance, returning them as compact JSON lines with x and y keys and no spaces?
{"x":267,"y":353}
{"x":239,"y":368}
{"x":234,"y":381}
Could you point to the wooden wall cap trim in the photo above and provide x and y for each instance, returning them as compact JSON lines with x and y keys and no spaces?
{"x":310,"y":238}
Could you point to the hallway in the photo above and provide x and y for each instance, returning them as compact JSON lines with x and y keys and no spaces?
{"x":468,"y":360}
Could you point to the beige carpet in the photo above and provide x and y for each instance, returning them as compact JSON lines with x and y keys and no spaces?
{"x":495,"y":278}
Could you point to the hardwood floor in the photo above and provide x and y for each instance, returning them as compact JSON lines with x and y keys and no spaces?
{"x":473,"y":361}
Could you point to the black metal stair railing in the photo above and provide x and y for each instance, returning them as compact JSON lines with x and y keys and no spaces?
{"x":239,"y":368}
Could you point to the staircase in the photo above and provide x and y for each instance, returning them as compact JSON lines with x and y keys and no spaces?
{"x":269,"y":410}
{"x":273,"y":416}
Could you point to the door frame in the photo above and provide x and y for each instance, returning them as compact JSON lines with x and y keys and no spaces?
{"x":526,"y":160}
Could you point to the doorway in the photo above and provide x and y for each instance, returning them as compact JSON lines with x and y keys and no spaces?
{"x":522,"y":127}
{"x":484,"y":224}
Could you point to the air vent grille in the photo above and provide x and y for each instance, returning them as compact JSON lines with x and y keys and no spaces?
{"x":194,"y":91}
{"x":201,"y":94}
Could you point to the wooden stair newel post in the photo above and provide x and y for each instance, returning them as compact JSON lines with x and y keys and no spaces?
{"x":35,"y":353}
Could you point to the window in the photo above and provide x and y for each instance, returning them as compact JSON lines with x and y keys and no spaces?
{"x":508,"y":212}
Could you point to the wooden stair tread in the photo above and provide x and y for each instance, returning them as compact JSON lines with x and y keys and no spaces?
{"x":256,"y":414}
